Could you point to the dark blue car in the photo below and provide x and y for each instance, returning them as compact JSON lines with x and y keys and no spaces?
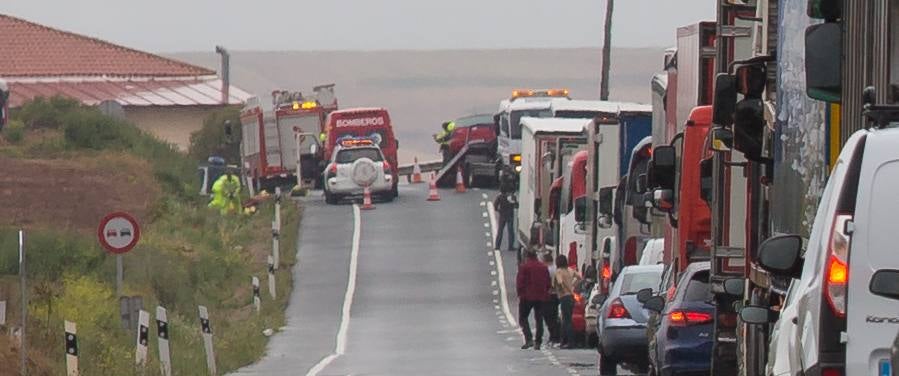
{"x":682,"y":340}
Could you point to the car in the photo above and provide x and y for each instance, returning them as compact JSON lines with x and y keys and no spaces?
{"x":578,"y":311}
{"x":621,"y":325}
{"x":681,"y":342}
{"x":355,"y":164}
{"x":849,"y":257}
{"x":591,"y":313}
{"x":653,"y":252}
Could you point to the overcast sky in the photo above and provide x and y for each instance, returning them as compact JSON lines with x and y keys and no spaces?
{"x":196,"y":25}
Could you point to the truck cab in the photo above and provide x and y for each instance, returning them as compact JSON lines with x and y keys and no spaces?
{"x":522,"y":103}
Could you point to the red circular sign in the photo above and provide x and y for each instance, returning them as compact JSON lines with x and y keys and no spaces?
{"x":118,"y":232}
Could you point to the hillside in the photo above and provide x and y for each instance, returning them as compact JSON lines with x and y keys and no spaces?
{"x":424,"y":88}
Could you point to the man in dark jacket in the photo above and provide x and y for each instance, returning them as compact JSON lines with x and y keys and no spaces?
{"x":533,"y":285}
{"x":505,"y":208}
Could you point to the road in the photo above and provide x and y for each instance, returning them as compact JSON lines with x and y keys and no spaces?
{"x":421,"y":287}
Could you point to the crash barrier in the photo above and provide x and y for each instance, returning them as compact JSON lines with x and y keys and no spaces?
{"x":426,"y":167}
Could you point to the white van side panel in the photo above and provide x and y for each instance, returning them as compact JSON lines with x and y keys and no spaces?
{"x":871,"y":320}
{"x":526,"y":186}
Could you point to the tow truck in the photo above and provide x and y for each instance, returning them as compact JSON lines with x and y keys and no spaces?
{"x":277,"y":142}
{"x":522,"y":103}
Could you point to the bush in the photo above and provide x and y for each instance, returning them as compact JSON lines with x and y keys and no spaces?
{"x":212,"y":139}
{"x":15,"y":131}
{"x":47,"y":113}
{"x":90,"y":129}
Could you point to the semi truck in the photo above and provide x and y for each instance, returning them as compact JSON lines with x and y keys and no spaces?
{"x":277,"y":140}
{"x":539,"y":139}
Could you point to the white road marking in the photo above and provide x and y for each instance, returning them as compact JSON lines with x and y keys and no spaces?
{"x":486,"y":225}
{"x":493,"y":272}
{"x":484,"y":195}
{"x":483,"y":203}
{"x":489,"y":243}
{"x":484,"y":214}
{"x":499,"y":266}
{"x":492,"y":262}
{"x":492,"y":283}
{"x":340,"y":347}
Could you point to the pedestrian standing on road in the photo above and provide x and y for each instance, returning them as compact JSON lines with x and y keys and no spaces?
{"x":551,"y":311}
{"x":505,"y":207}
{"x":533,"y":285}
{"x":563,"y":284}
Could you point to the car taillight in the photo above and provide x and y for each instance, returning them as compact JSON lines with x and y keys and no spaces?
{"x":837,"y":266}
{"x":578,"y":297}
{"x":831,"y":372}
{"x":333,"y":168}
{"x":687,"y":318}
{"x":386,"y":167}
{"x":618,"y":311}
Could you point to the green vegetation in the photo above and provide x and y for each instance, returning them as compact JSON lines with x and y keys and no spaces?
{"x":213,"y":138}
{"x":189,"y":255}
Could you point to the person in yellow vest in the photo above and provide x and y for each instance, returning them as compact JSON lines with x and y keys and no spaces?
{"x":442,"y":138}
{"x":226,"y":192}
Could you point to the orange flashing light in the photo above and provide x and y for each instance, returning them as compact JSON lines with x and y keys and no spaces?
{"x":356,"y":142}
{"x":308,"y":105}
{"x":839,"y":272}
{"x":522,"y":93}
{"x":557,"y":93}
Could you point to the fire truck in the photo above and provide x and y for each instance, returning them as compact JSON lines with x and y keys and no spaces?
{"x":278,"y":142}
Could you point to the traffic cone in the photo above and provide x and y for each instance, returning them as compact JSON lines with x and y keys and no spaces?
{"x":416,"y":173}
{"x":366,"y":199}
{"x":460,"y":182}
{"x":432,"y":190}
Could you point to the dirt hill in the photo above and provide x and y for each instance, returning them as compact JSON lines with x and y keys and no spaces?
{"x":424,"y":88}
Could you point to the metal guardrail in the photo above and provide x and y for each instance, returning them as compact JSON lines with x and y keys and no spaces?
{"x":406,"y":169}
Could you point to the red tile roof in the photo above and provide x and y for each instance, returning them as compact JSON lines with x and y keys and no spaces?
{"x":170,"y":92}
{"x":31,"y":50}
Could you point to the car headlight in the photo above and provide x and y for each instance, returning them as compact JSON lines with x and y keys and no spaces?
{"x":517,"y":168}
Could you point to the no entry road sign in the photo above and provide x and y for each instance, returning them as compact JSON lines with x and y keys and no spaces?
{"x":118,"y":232}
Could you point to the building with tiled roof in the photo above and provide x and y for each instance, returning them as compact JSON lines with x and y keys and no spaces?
{"x":163,"y":96}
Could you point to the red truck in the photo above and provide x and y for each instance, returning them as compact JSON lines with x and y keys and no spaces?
{"x":373,"y":123}
{"x":277,"y":143}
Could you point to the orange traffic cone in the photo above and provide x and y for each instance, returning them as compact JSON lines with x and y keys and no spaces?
{"x":416,"y":173}
{"x":460,"y":182}
{"x":366,"y":199}
{"x":432,"y":190}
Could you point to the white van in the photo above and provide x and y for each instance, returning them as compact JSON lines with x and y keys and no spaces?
{"x":845,"y":303}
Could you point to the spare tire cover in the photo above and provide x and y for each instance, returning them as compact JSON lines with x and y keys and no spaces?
{"x":365,"y":172}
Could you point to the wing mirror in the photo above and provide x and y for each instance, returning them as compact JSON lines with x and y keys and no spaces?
{"x":757,"y":315}
{"x":823,"y":50}
{"x":655,"y":304}
{"x":735,"y":287}
{"x":722,"y":140}
{"x":663,"y":166}
{"x":780,"y":255}
{"x":644,"y":295}
{"x":725,"y":100}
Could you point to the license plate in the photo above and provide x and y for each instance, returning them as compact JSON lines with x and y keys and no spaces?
{"x":885,"y":368}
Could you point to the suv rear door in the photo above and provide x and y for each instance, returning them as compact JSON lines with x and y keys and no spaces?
{"x":873,"y":292}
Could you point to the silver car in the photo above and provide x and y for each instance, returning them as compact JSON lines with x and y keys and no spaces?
{"x":353,"y":167}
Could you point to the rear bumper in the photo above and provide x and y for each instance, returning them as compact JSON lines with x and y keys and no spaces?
{"x":686,"y":358}
{"x":346,"y":187}
{"x":626,"y":344}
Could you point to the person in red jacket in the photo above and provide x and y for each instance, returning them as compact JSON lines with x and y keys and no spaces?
{"x":533,"y":285}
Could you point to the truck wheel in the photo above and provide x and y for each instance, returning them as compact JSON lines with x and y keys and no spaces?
{"x":607,"y":365}
{"x":330,"y":199}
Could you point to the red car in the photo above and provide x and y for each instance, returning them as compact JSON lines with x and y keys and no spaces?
{"x":478,"y":164}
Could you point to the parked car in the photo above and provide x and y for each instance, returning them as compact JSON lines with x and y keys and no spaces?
{"x":355,"y":164}
{"x":621,"y":325}
{"x":681,"y":343}
{"x":579,"y":312}
{"x":850,"y":256}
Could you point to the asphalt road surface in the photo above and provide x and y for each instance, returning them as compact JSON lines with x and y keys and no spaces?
{"x":409,"y":288}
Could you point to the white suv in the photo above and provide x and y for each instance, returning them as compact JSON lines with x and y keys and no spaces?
{"x":354,"y":165}
{"x":842,"y":312}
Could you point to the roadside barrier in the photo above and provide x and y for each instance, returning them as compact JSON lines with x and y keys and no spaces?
{"x":366,"y":199}
{"x":460,"y":182}
{"x":433,"y":195}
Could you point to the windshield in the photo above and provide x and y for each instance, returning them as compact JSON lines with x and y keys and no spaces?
{"x":633,"y":282}
{"x":516,"y":119}
{"x":474,"y":120}
{"x":351,"y":155}
{"x":698,"y":289}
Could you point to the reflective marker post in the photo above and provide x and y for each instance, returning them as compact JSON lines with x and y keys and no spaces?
{"x":276,"y":229}
{"x":71,"y":349}
{"x":256,"y":301}
{"x":206,"y":331}
{"x":22,"y":342}
{"x":162,"y":339}
{"x":271,"y":278}
{"x":143,"y":339}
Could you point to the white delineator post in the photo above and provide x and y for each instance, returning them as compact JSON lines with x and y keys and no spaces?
{"x":276,"y":229}
{"x":22,"y":342}
{"x":143,"y":339}
{"x":71,"y":349}
{"x":257,"y":302}
{"x":162,"y":339}
{"x":206,"y":331}
{"x":271,"y":278}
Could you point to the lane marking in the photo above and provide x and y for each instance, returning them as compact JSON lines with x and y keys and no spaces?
{"x":484,"y":195}
{"x":340,"y":346}
{"x":504,"y":298}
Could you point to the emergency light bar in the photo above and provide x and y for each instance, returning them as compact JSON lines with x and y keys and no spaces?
{"x":523,"y":93}
{"x":349,"y":142}
{"x":307,"y":105}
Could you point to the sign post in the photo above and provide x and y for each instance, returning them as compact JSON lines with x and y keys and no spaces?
{"x":118,"y":233}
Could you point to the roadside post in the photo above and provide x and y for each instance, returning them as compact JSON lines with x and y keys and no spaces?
{"x":276,"y":229}
{"x":143,"y":340}
{"x":256,"y":301}
{"x":71,"y":349}
{"x":22,"y":348}
{"x":118,"y":233}
{"x":162,"y":339}
{"x":271,"y":278}
{"x":206,"y":331}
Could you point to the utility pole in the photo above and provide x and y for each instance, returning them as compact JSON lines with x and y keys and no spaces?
{"x":606,"y":52}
